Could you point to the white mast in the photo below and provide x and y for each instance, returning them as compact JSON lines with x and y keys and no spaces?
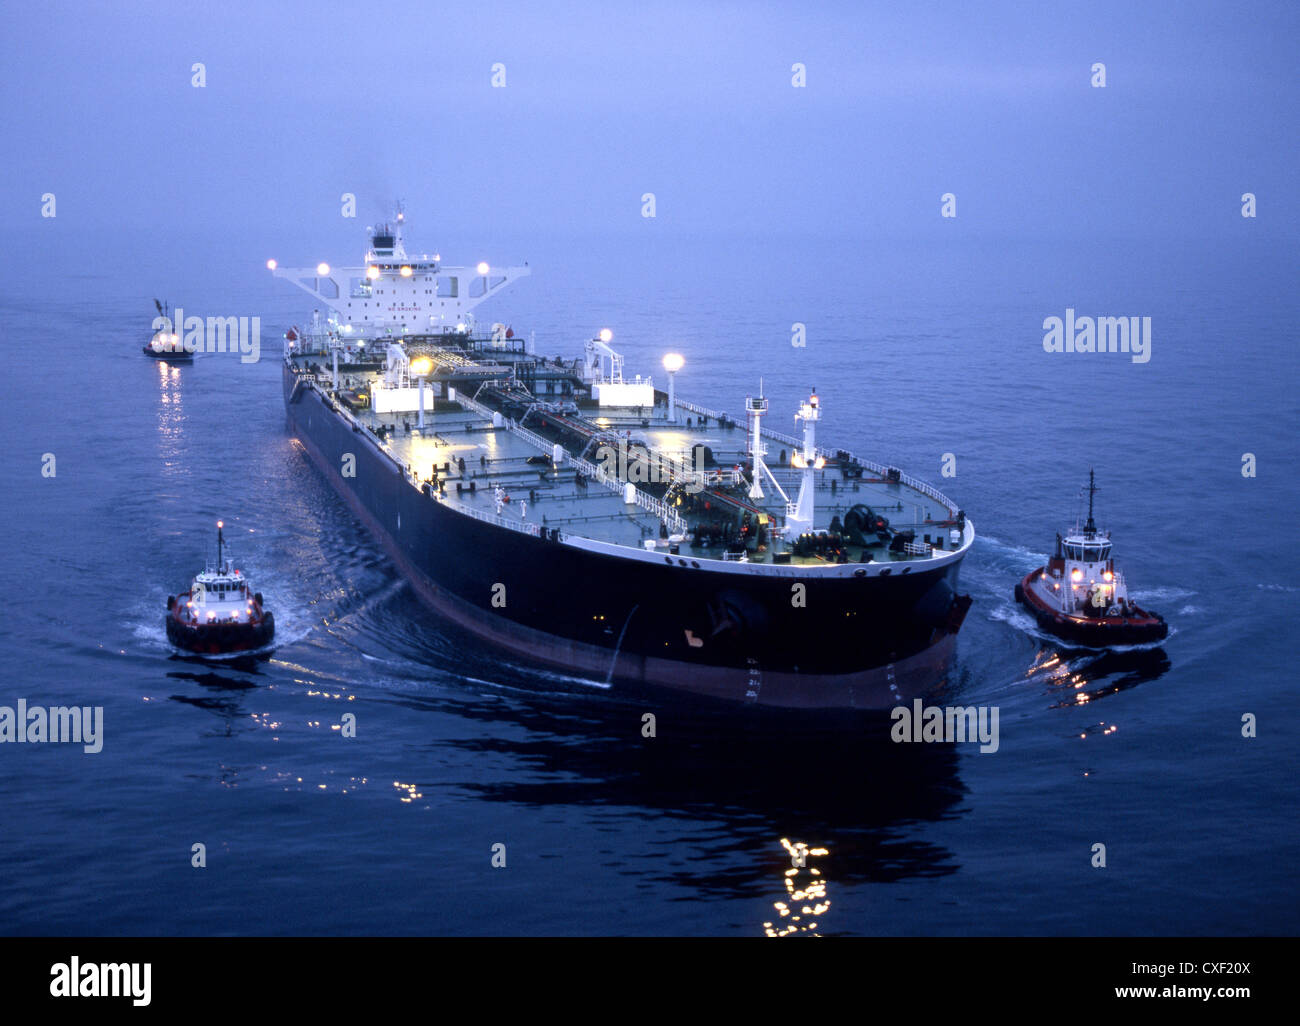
{"x":756,"y":407}
{"x":801,"y":519}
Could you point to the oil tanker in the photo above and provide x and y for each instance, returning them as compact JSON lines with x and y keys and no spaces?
{"x":591,"y":521}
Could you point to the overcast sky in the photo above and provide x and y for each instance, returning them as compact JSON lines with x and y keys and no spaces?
{"x":690,"y":101}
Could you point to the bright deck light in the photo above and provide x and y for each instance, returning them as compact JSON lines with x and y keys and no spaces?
{"x":482,"y":267}
{"x":420,"y":367}
{"x":270,"y":265}
{"x":673,"y":362}
{"x":606,"y":334}
{"x":322,"y":269}
{"x":372,"y":272}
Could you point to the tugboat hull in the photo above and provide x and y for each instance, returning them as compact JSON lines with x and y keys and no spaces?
{"x":168,"y":355}
{"x":221,"y":638}
{"x":1091,"y":632}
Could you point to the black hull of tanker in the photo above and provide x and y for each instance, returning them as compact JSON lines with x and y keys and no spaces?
{"x":1100,"y":632}
{"x":220,"y":638}
{"x":865,"y":642}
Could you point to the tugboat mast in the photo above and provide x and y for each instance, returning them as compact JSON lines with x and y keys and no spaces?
{"x":1090,"y":528}
{"x":220,"y":541}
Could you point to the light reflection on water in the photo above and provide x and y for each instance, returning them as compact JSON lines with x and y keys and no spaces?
{"x":806,"y":900}
{"x":691,"y":820}
{"x":1074,"y":678}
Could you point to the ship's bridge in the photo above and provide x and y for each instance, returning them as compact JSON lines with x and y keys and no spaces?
{"x":393,"y":292}
{"x":1086,"y":548}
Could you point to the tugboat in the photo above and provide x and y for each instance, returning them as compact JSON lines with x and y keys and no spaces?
{"x":1080,"y":596}
{"x":165,"y":343}
{"x":220,"y":613}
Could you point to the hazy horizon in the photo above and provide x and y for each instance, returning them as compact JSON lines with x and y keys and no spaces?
{"x":692,"y":103}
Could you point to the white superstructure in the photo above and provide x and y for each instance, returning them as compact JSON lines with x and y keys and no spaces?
{"x":220,"y":593}
{"x":394,"y":293}
{"x":802,"y":512}
{"x":1081,"y":579}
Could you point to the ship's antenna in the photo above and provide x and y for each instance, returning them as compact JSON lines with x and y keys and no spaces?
{"x":220,"y":543}
{"x":1091,"y":528}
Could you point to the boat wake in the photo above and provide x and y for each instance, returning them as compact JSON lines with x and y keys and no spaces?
{"x":1010,"y":553}
{"x":1161,"y":594}
{"x":1016,"y":617}
{"x":538,"y":676}
{"x":292,"y":624}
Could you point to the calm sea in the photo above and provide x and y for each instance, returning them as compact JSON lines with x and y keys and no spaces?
{"x":917,"y":349}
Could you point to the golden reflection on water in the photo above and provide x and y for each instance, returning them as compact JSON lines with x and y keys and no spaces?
{"x":1076,"y":679}
{"x":1049,"y":663}
{"x":410,"y":792}
{"x":171,"y":412}
{"x":805,"y":893}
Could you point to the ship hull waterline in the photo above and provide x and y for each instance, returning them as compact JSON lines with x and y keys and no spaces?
{"x":220,"y":639}
{"x":606,"y":618}
{"x":1091,"y":632}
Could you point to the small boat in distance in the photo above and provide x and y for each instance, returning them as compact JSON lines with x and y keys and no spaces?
{"x":220,"y":613}
{"x":165,"y":343}
{"x":1080,"y":597}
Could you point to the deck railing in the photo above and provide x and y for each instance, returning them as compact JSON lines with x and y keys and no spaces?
{"x":647,"y":502}
{"x":521,"y":525}
{"x":643,"y":500}
{"x":793,"y":442}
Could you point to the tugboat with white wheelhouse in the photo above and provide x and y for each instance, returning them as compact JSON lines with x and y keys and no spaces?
{"x":165,"y":343}
{"x":220,"y":613}
{"x":1079,"y":595}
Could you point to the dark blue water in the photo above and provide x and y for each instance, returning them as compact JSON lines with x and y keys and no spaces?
{"x":917,"y":349}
